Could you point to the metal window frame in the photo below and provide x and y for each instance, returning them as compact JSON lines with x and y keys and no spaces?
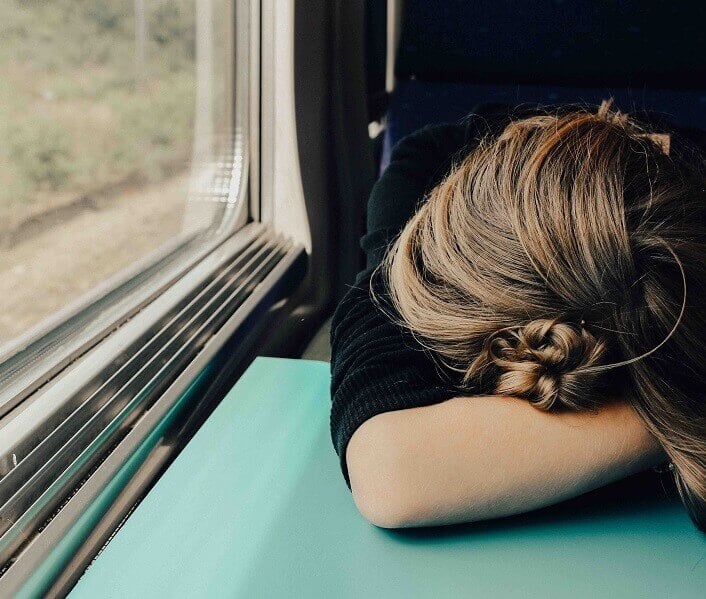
{"x":285,"y":272}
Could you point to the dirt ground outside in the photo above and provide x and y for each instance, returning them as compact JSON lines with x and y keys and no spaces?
{"x":45,"y":270}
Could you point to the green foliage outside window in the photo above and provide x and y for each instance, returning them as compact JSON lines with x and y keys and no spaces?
{"x":86,"y":104}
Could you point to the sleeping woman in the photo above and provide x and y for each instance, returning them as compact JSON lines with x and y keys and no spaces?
{"x":530,"y":324}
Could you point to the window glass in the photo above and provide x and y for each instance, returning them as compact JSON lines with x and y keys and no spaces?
{"x":112,"y":114}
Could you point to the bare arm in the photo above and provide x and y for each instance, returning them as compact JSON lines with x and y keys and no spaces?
{"x":475,"y":458}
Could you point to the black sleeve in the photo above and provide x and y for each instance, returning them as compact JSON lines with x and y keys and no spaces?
{"x":376,"y":365}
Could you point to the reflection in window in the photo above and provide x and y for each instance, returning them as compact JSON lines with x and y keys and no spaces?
{"x":109,"y":109}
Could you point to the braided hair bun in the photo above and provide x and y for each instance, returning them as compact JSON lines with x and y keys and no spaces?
{"x":548,"y":362}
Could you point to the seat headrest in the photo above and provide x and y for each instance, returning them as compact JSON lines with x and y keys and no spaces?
{"x":653,"y":43}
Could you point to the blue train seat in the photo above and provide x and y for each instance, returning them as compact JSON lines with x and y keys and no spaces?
{"x":455,"y":55}
{"x":255,"y":506}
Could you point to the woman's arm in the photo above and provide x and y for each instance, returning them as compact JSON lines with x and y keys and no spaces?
{"x":475,"y":458}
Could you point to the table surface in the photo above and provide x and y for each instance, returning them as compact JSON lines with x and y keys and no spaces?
{"x":256,"y":506}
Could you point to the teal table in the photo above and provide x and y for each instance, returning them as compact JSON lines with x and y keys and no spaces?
{"x":255,"y":506}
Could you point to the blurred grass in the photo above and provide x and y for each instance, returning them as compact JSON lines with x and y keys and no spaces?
{"x":75,"y":113}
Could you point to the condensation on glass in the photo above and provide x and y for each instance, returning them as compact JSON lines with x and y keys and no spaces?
{"x":115,"y":118}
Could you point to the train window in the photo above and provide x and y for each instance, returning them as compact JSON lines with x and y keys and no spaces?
{"x":117,"y":125}
{"x":137,"y":265}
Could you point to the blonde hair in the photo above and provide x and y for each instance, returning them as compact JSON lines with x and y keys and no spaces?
{"x":564,"y":262}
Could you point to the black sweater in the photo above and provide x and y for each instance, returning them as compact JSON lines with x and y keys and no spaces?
{"x":376,"y":365}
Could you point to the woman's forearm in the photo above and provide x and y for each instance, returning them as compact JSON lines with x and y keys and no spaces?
{"x":475,"y":458}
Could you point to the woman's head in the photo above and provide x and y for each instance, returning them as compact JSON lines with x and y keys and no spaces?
{"x":564,"y":262}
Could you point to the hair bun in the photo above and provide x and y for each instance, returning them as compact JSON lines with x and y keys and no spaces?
{"x":545,"y":362}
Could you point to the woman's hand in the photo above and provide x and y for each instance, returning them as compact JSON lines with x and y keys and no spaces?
{"x":475,"y":458}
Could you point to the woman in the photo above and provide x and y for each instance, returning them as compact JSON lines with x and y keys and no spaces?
{"x":529,"y":325}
